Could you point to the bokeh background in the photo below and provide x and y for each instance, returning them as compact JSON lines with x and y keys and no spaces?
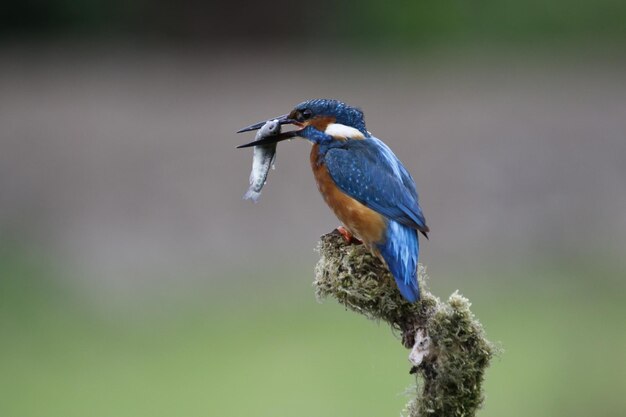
{"x":135,"y":281}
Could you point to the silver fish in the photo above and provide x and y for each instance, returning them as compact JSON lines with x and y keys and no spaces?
{"x":263,"y":160}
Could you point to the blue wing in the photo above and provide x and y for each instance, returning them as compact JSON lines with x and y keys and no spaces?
{"x":368,"y":171}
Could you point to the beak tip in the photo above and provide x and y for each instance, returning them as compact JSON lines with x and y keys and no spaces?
{"x":246,"y":129}
{"x":284,"y":119}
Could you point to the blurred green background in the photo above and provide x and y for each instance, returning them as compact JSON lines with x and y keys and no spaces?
{"x":134,"y":281}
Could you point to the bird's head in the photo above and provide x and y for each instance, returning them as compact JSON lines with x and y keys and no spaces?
{"x":312,"y":118}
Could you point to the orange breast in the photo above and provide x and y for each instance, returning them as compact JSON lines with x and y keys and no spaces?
{"x":363,"y":222}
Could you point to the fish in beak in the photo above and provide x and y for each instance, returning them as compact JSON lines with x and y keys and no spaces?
{"x":266,"y":140}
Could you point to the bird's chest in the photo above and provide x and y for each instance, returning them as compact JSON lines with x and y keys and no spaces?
{"x":366,"y":224}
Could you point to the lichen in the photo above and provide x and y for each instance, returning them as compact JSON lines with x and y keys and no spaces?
{"x":450,"y":378}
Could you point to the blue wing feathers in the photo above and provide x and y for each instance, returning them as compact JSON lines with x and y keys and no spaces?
{"x":369,"y":172}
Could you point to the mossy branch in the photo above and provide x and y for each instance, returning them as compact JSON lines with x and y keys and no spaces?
{"x":449,"y":350}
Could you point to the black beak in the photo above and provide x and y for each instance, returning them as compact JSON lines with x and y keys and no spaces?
{"x":283,"y":120}
{"x":271,"y":139}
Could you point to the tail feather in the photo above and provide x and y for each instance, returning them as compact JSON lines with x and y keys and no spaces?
{"x":401,"y":251}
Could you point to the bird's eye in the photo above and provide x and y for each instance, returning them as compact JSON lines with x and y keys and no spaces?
{"x":302,"y":115}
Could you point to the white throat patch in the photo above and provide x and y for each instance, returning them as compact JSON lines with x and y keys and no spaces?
{"x":343,"y":131}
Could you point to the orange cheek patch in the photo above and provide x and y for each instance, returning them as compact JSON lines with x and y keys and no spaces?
{"x":320,"y":122}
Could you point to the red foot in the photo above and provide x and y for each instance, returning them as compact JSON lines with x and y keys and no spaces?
{"x":347,"y":236}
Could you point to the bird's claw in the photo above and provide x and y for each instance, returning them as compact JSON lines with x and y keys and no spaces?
{"x":347,"y":236}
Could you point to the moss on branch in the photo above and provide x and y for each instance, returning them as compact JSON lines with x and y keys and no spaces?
{"x":455,"y":350}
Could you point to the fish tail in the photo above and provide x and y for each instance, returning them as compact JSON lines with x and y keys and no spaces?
{"x":252,"y":195}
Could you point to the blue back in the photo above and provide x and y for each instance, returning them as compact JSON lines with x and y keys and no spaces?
{"x":369,"y":172}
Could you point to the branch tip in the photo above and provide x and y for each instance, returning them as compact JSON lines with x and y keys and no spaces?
{"x":449,"y":351}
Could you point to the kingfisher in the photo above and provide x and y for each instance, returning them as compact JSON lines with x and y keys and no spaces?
{"x":363,"y":182}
